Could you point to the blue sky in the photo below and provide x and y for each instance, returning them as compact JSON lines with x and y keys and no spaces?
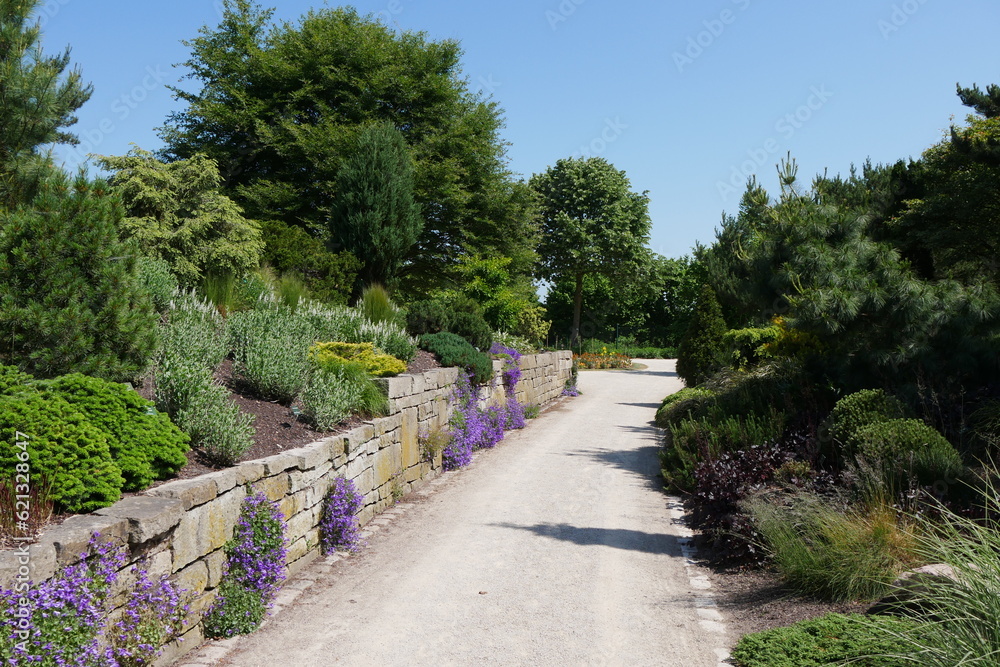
{"x":687,"y":98}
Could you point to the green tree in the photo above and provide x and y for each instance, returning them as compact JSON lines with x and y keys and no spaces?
{"x":701,"y":351}
{"x":70,"y":300}
{"x":509,"y":302}
{"x":39,"y":100}
{"x":175,"y":212}
{"x":279,"y":109}
{"x":328,"y":276}
{"x":374,"y":216}
{"x":592,"y":223}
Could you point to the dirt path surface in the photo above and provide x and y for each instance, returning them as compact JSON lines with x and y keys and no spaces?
{"x":556,"y":548}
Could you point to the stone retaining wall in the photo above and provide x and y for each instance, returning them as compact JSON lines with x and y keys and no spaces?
{"x":180,"y":527}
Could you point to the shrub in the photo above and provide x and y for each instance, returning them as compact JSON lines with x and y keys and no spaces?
{"x":828,"y":640}
{"x":860,"y":409}
{"x":701,"y":350}
{"x":62,"y":446}
{"x":338,"y":526}
{"x":70,"y":298}
{"x":194,"y":332}
{"x":836,"y":555}
{"x":270,"y":352}
{"x":748,"y":347}
{"x":215,"y":424}
{"x":688,"y":403}
{"x":144,"y":444}
{"x":290,"y":291}
{"x":348,"y":325}
{"x":155,"y":276}
{"x":65,"y":618}
{"x":910,"y":450}
{"x":12,"y":379}
{"x":692,"y":441}
{"x":328,"y":276}
{"x":433,"y":442}
{"x":453,"y":350}
{"x":721,"y":485}
{"x":337,"y":390}
{"x":458,"y":316}
{"x":255,"y":568}
{"x":364,"y":354}
{"x":519,"y":343}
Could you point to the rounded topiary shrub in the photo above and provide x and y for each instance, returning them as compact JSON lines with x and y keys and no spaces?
{"x":911,"y":448}
{"x":453,"y":350}
{"x":857,"y":410}
{"x":144,"y":443}
{"x":460,"y":317}
{"x":62,"y":448}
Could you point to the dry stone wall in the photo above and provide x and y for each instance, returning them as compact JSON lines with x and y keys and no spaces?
{"x":180,"y":527}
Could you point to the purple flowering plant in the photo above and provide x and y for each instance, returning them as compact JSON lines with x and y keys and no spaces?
{"x":255,"y":568}
{"x":64,"y":621}
{"x":338,"y":527}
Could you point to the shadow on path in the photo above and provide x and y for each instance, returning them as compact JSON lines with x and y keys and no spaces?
{"x":616,"y":538}
{"x":648,"y":406}
{"x":643,"y":462}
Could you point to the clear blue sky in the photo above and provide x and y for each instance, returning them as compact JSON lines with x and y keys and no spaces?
{"x":685,"y":97}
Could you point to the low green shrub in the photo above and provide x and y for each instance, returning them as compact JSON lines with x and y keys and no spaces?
{"x":701,"y":352}
{"x":453,"y":350}
{"x":339,"y":389}
{"x":12,"y":379}
{"x":194,"y":332}
{"x":692,"y":441}
{"x":270,"y":351}
{"x":909,"y":450}
{"x":375,"y":363}
{"x":829,"y":640}
{"x":144,"y":443}
{"x":688,"y":403}
{"x":61,"y":446}
{"x":831,"y":554}
{"x":860,"y":409}
{"x":328,"y":276}
{"x":214,"y":422}
{"x":458,"y":316}
{"x":747,"y":347}
{"x":376,"y":305}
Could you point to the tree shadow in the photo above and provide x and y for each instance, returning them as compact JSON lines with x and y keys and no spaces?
{"x":616,"y":538}
{"x":642,"y":462}
{"x":650,"y":406}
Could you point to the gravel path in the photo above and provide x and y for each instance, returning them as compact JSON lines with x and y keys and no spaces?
{"x":556,"y":548}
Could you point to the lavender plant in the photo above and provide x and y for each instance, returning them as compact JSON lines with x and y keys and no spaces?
{"x":63,"y":621}
{"x":338,"y":527}
{"x":255,"y":569}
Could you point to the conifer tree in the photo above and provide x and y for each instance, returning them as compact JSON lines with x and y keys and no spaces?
{"x":701,"y":353}
{"x":69,"y":296}
{"x":374,"y":215}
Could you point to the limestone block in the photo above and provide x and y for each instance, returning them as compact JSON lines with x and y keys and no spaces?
{"x":409,"y":438}
{"x":297,"y":526}
{"x":356,"y":467}
{"x":365,"y":515}
{"x":249,"y":472}
{"x":190,"y":492}
{"x":228,"y":479}
{"x":296,"y":550}
{"x":275,"y":488}
{"x":206,"y":528}
{"x":312,"y":455}
{"x":337,"y":446}
{"x":160,"y":564}
{"x":36,"y":562}
{"x":193,"y":578}
{"x":394,"y":387}
{"x":279,"y":463}
{"x":364,"y":482}
{"x":419,"y":384}
{"x":72,"y":536}
{"x":216,"y":563}
{"x":388,"y":462}
{"x":148,"y":517}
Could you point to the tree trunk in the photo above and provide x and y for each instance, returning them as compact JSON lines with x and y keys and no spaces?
{"x":574,"y":338}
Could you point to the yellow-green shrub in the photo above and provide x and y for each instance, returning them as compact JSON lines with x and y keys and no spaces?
{"x":375,"y":363}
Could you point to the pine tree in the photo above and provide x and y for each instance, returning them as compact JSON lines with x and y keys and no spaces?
{"x":701,"y":353}
{"x":36,"y":100}
{"x":374,"y":216}
{"x":69,"y":297}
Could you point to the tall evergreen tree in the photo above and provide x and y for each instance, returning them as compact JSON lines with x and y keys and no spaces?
{"x":700,"y":353}
{"x":36,"y":100}
{"x":374,"y":216}
{"x":69,"y":296}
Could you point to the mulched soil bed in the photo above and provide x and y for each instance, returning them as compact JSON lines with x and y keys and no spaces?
{"x":754,"y":600}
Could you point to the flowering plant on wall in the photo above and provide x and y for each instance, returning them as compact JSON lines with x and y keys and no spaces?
{"x":338,"y":527}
